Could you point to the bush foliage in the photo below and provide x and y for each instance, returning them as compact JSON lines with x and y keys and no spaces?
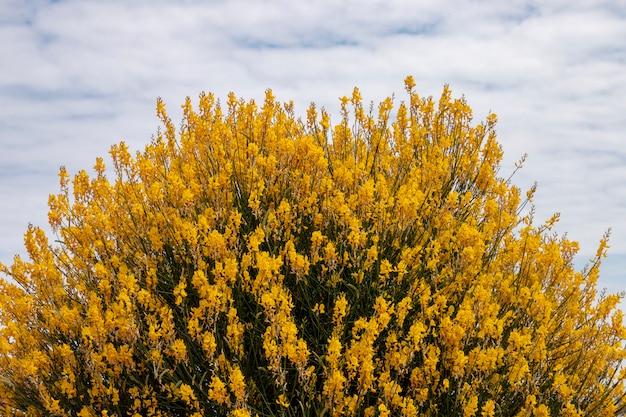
{"x":254,"y":263}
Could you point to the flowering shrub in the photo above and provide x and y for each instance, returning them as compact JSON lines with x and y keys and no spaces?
{"x":258,"y":264}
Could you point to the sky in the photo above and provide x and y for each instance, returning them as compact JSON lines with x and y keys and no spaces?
{"x":77,"y":76}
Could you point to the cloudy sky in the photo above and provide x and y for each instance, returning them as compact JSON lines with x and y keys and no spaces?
{"x":77,"y":76}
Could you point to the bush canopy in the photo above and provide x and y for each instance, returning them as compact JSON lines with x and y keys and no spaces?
{"x":255,"y":263}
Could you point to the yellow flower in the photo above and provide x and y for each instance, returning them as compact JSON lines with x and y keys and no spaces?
{"x":282,"y":401}
{"x":178,"y":350}
{"x":237,"y":384}
{"x":218,"y":391}
{"x":488,"y":409}
{"x":319,"y":308}
{"x":186,"y":394}
{"x":541,"y":411}
{"x":240,"y":412}
{"x":470,"y":407}
{"x":179,"y":292}
{"x":339,"y":311}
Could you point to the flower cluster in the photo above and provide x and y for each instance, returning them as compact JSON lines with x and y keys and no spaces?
{"x":254,"y":263}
